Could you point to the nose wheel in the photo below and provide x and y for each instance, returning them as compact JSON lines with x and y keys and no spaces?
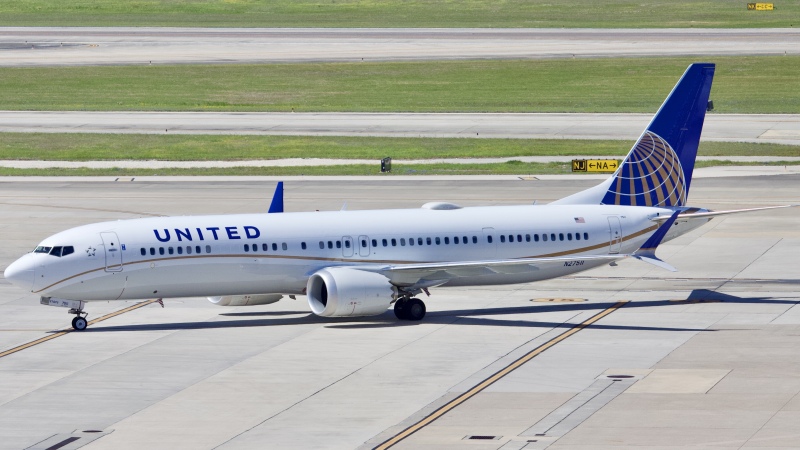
{"x":79,"y":323}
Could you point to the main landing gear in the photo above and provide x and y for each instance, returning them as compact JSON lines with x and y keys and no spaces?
{"x":79,"y":323}
{"x":409,"y":309}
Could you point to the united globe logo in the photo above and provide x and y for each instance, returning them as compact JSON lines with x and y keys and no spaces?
{"x":651,"y":175}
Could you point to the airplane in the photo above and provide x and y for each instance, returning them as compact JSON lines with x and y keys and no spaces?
{"x":361,"y":263}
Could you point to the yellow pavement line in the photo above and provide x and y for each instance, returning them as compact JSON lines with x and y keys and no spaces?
{"x":494,"y":378}
{"x":69,"y":330}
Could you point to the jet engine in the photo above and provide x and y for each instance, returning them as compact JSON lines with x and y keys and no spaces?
{"x":347,"y":292}
{"x":245,"y":300}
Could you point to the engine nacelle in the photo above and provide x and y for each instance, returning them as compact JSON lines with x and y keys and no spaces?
{"x":245,"y":300}
{"x":346,"y":292}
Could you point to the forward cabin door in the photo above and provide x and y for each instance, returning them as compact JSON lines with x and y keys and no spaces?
{"x":113,"y":251}
{"x":615,"y":235}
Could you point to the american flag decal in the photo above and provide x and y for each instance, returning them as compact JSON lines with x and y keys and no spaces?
{"x":579,"y":220}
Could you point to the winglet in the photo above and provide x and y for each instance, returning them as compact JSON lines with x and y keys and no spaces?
{"x":277,"y":199}
{"x":647,"y":252}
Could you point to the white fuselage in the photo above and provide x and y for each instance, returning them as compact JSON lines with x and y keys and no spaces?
{"x":277,"y":253}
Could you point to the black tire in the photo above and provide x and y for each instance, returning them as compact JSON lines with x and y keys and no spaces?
{"x":415,"y":309}
{"x":79,"y":323}
{"x":401,"y":309}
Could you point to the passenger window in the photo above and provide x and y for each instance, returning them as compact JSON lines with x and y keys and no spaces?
{"x":446,"y":240}
{"x":419,"y":241}
{"x":246,"y":247}
{"x":577,"y":236}
{"x":535,"y":238}
{"x":303,"y":245}
{"x":346,"y":244}
{"x":455,"y":240}
{"x":274,"y":247}
{"x":474,"y":239}
{"x":489,"y":238}
{"x":503,"y":238}
{"x":152,"y":251}
{"x":438,"y":241}
{"x":197,"y":249}
{"x":560,"y":236}
{"x":374,"y":242}
{"x":411,"y":242}
{"x":171,"y":250}
{"x":544,"y":237}
{"x":265,"y":247}
{"x":180,"y":250}
{"x":160,"y":250}
{"x":569,"y":236}
{"x":255,"y":247}
{"x":552,"y":236}
{"x":519,"y":238}
{"x":285,"y":246}
{"x":338,"y":244}
{"x":428,"y":240}
{"x":394,"y":242}
{"x":330,"y":244}
{"x":585,"y":236}
{"x":188,"y":249}
{"x":385,"y":242}
{"x":321,"y":245}
{"x":144,"y":252}
{"x":364,"y":243}
{"x":208,"y":249}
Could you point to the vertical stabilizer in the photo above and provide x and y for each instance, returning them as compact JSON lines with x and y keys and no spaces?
{"x":658,"y":169}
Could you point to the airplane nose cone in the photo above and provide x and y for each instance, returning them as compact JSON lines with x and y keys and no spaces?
{"x":20,"y":274}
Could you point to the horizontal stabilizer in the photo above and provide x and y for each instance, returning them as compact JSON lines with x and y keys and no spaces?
{"x":712,"y":214}
{"x":647,"y":252}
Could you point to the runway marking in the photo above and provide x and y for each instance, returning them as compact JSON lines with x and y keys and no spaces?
{"x":30,"y":344}
{"x":495,"y":377}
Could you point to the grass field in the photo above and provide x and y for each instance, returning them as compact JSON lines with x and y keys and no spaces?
{"x":387,"y":13}
{"x":741,"y":85}
{"x":88,"y":147}
{"x":508,"y":168}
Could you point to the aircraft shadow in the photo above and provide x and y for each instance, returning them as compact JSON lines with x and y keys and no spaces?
{"x":455,"y":317}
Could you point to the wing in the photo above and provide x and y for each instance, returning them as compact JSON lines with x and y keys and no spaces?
{"x":437,"y":273}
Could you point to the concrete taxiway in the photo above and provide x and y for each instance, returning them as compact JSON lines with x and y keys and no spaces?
{"x":619,"y":357}
{"x":767,"y":128}
{"x":23,"y":46}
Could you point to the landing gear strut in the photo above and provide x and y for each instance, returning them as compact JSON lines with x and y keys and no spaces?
{"x":79,"y":323}
{"x":409,"y":309}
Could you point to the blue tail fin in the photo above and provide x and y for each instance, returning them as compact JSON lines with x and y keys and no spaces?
{"x":658,"y":169}
{"x":277,"y":199}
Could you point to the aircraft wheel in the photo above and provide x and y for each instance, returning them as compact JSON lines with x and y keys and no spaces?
{"x":401,"y":309}
{"x":415,"y":310}
{"x":79,"y":323}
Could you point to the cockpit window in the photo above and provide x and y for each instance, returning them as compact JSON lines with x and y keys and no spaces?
{"x":55,"y":251}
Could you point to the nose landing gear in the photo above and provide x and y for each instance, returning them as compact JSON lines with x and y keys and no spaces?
{"x":79,"y":323}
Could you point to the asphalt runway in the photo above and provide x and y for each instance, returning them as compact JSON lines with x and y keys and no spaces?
{"x":620,"y":357}
{"x":111,"y":46}
{"x":767,"y":128}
